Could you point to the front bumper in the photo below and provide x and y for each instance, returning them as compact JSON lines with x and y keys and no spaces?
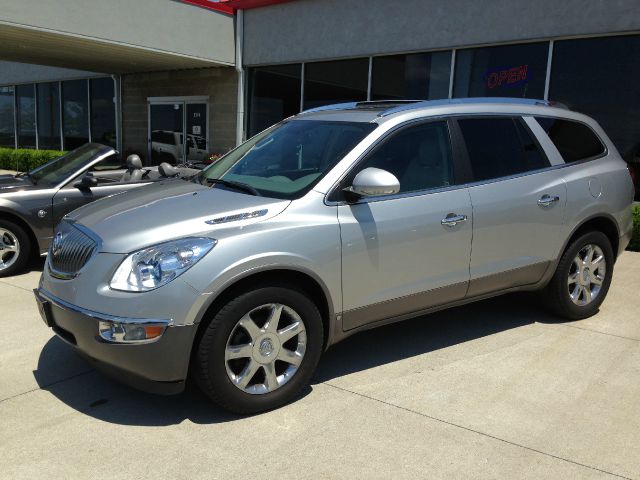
{"x":159,"y":366}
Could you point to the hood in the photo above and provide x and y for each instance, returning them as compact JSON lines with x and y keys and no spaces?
{"x":12,"y":183}
{"x":167,"y":210}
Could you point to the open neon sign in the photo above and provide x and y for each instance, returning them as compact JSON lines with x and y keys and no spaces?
{"x":507,"y":77}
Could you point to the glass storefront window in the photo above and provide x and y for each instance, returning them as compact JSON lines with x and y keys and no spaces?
{"x":504,"y":71}
{"x":420,"y":76}
{"x":26,"y":115}
{"x":49,"y":116}
{"x":599,"y":77}
{"x":103,"y":112}
{"x":7,"y":130}
{"x":335,"y":82}
{"x":75,"y":113}
{"x":274,"y":94}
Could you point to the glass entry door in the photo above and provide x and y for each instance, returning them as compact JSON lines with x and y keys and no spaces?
{"x":177,"y":131}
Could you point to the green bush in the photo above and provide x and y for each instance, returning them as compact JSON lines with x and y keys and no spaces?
{"x":23,"y":160}
{"x":634,"y":245}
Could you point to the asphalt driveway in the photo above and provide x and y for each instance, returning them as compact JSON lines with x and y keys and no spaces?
{"x":497,"y":389}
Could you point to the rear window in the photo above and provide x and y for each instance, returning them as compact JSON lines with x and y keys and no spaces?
{"x":575,"y":141}
{"x":500,"y":147}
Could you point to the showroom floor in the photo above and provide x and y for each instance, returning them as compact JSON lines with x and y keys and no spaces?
{"x":491,"y":390}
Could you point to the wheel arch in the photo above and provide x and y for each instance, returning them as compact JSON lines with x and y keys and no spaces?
{"x":601,"y":223}
{"x":21,"y":222}
{"x":298,"y":278}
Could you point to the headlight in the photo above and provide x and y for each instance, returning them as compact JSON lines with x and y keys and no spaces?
{"x":155,"y":266}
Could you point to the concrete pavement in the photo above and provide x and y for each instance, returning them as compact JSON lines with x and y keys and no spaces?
{"x":496,"y":389}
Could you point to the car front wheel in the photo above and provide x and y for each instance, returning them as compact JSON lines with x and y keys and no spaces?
{"x":260,"y":350}
{"x":15,"y":248}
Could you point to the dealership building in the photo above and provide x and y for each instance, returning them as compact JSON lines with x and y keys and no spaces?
{"x":180,"y":80}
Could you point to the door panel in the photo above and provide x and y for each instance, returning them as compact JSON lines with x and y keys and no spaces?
{"x":514,"y":237}
{"x":398,"y":258}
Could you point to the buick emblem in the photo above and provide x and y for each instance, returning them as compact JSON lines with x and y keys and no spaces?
{"x":56,"y":247}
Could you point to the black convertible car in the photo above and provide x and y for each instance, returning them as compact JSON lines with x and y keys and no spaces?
{"x":32,"y":203}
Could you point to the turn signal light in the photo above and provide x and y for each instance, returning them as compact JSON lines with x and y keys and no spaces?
{"x":115,"y":332}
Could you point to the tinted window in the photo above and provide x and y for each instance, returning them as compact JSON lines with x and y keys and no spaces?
{"x":274,"y":94}
{"x":575,"y":141}
{"x":103,"y":111}
{"x":335,"y":82}
{"x":75,"y":113}
{"x":26,"y":113}
{"x":421,"y":76}
{"x":49,"y":116}
{"x":505,"y":71}
{"x":599,"y":77}
{"x":499,"y":147}
{"x":419,"y":157}
{"x":7,"y":138}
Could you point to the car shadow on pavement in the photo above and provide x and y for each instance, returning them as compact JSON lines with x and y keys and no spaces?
{"x":76,"y":384}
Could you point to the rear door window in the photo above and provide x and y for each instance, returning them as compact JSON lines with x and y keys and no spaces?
{"x":575,"y":141}
{"x":500,"y":147}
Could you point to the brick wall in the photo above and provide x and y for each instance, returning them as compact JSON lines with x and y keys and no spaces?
{"x":220,"y":84}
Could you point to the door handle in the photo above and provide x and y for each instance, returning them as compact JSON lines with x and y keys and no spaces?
{"x":452,"y":220}
{"x":547,"y":200}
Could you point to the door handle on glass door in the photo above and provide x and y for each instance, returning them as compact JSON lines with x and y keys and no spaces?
{"x":547,"y":200}
{"x":452,"y":220}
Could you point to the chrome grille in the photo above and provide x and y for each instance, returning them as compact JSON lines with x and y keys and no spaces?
{"x":70,"y":250}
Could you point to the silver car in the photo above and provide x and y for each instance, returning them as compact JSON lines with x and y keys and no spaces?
{"x":336,"y":220}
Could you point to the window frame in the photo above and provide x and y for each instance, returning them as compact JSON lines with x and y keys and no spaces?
{"x":336,"y":196}
{"x":470,"y":181}
{"x":604,"y":153}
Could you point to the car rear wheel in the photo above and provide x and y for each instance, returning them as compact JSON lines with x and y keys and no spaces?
{"x":15,"y":248}
{"x":582,"y":278}
{"x":260,"y":350}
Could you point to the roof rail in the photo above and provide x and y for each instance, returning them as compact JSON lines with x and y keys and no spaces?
{"x":467,"y":101}
{"x":335,"y":106}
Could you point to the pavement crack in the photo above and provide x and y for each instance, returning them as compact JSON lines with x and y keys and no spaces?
{"x":17,"y":286}
{"x":599,"y":332}
{"x":42,"y":387}
{"x":468,"y":429}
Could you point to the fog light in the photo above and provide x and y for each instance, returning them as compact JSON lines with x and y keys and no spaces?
{"x":116,"y":332}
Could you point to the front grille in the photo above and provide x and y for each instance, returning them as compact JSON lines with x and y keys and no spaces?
{"x":70,"y":250}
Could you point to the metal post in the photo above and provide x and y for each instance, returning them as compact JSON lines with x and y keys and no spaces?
{"x":452,"y":72}
{"x":302,"y":69}
{"x":35,"y":114}
{"x":61,"y":116}
{"x":89,"y":108}
{"x":15,"y":116}
{"x":369,"y":79}
{"x":547,"y":80}
{"x":117,"y":105}
{"x":240,"y":71}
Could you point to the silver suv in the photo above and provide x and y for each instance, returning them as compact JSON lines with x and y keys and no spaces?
{"x":333,"y":221}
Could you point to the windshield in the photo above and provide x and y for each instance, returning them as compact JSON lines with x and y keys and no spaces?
{"x":59,"y":169}
{"x":287,"y":160}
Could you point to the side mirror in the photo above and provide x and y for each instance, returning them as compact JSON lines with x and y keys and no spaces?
{"x":88,"y":181}
{"x":373,"y":182}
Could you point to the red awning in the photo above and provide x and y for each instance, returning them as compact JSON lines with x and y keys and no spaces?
{"x":230,"y":6}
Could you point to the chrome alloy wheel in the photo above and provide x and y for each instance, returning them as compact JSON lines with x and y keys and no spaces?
{"x":9,"y":249}
{"x":265,"y":348}
{"x":586,"y":275}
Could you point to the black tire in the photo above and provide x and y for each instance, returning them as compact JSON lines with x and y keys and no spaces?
{"x":210,"y":369}
{"x":24,"y":243}
{"x":557,"y":294}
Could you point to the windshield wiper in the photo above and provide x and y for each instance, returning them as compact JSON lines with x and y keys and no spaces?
{"x":237,"y":185}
